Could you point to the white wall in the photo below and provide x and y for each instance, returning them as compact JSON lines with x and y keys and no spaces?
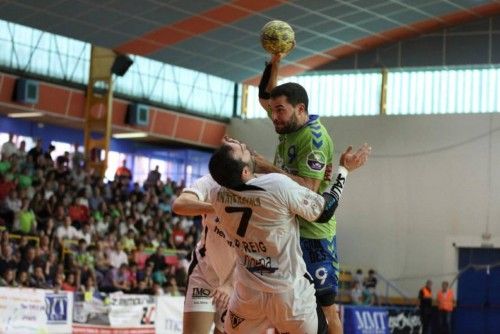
{"x":431,"y":181}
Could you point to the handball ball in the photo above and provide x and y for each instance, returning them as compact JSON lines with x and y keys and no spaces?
{"x":277,"y":37}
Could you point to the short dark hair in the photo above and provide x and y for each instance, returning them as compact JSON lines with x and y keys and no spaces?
{"x":226,"y":170}
{"x":294,"y":93}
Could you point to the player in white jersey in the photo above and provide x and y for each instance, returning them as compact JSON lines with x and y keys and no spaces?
{"x":258,"y":214}
{"x":210,"y":271}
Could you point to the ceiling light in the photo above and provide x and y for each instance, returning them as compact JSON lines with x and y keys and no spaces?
{"x":25,"y":114}
{"x":130,"y":135}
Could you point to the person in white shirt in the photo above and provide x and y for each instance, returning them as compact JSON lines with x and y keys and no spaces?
{"x":117,"y":256}
{"x":67,"y":231}
{"x":259,"y":216}
{"x":9,"y":148}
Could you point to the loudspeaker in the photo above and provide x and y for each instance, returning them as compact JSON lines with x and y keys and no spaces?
{"x":137,"y":114}
{"x":121,"y":65}
{"x":26,"y":91}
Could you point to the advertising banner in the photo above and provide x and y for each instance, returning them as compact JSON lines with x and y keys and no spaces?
{"x":132,"y":310}
{"x":169,"y":315}
{"x":404,"y":321}
{"x":35,"y":311}
{"x":366,"y":320}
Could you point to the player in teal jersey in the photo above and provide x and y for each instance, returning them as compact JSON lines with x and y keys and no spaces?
{"x":305,"y":153}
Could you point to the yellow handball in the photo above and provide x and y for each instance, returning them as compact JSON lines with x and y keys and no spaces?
{"x":277,"y":37}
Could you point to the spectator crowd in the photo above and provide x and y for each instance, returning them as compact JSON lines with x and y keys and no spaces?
{"x":63,"y":227}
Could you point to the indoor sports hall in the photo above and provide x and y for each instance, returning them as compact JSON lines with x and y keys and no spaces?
{"x":110,"y":112}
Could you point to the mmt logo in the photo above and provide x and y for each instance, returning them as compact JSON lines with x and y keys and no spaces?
{"x":56,"y":308}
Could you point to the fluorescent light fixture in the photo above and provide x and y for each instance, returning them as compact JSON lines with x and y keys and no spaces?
{"x":25,"y":114}
{"x":130,"y":135}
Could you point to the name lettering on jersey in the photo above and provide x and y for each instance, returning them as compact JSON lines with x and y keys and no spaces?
{"x":248,"y":246}
{"x":259,"y":265}
{"x":227,"y":197}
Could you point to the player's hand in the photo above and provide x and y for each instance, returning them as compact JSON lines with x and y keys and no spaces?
{"x":221,"y":297}
{"x":352,"y":161}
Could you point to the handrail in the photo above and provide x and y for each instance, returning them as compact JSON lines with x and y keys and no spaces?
{"x":391,"y":285}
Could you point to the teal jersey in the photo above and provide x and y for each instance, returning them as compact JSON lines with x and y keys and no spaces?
{"x":308,"y":152}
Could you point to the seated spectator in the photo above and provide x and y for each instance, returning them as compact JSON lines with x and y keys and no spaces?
{"x":67,"y":231}
{"x":7,"y":278}
{"x":7,"y":261}
{"x":139,"y":256}
{"x":178,"y":235}
{"x":26,"y":218}
{"x":358,"y":277}
{"x":171,"y":288}
{"x":356,"y":294}
{"x":128,"y":241}
{"x":86,"y":233}
{"x":78,"y":213}
{"x":370,"y":284}
{"x":117,"y":256}
{"x":70,"y":283}
{"x":158,"y":260}
{"x":38,"y":280}
{"x":90,"y":290}
{"x":23,"y":279}
{"x":117,"y":279}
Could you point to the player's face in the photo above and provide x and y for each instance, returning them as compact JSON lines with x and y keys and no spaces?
{"x":284,"y":115}
{"x":241,"y":152}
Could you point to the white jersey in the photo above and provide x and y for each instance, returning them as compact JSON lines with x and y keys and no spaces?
{"x":212,"y":250}
{"x":261,"y":223}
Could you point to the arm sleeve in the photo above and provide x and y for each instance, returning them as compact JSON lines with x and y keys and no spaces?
{"x":332,"y":196}
{"x":264,"y":81}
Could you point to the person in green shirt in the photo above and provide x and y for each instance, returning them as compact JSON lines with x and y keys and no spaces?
{"x":26,"y":217}
{"x":305,"y":153}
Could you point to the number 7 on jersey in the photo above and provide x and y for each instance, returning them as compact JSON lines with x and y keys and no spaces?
{"x":245,"y":218}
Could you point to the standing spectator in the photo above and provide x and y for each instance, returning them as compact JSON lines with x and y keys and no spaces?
{"x":154,"y":177}
{"x":123,"y":175}
{"x":21,"y":152}
{"x":445,"y":302}
{"x":62,"y":161}
{"x":36,"y":152}
{"x":78,"y":158}
{"x":9,"y":148}
{"x":49,"y":161}
{"x":425,"y":299}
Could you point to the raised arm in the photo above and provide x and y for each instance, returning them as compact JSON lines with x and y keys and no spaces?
{"x":269,"y":80}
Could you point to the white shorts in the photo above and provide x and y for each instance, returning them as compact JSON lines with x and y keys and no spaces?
{"x":294,"y":311}
{"x":199,"y":293}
